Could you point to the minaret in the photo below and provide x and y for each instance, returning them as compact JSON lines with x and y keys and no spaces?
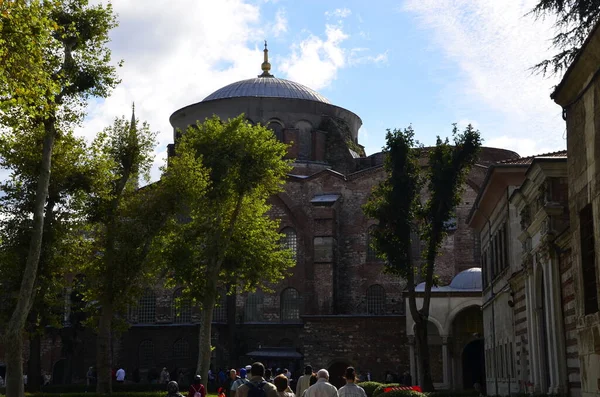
{"x":132,"y":115}
{"x":266,"y":66}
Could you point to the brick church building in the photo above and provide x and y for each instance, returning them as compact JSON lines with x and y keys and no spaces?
{"x":338,"y":308}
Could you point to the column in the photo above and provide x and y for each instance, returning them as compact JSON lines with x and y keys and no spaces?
{"x":550,"y":325}
{"x":413,"y":366}
{"x":556,"y":328}
{"x":445,"y":362}
{"x":532,"y":343}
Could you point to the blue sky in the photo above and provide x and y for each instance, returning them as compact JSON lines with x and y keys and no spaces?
{"x":428,"y":63}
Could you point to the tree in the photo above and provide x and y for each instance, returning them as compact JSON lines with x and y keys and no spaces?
{"x":396,"y":204}
{"x":67,"y":56}
{"x":123,"y":223}
{"x":575,"y":19}
{"x":70,"y":180}
{"x":222,"y":175}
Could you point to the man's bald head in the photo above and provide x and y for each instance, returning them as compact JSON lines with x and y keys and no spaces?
{"x":323,"y":374}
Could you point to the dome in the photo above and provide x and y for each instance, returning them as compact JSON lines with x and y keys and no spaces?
{"x":267,"y":87}
{"x":467,"y":279}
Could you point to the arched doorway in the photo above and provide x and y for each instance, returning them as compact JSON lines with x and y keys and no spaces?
{"x":58,"y":372}
{"x":473,"y":364}
{"x":336,"y":373}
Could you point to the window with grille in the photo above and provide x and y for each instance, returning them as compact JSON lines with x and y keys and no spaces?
{"x":588,"y":260}
{"x":220,"y":310}
{"x":290,"y":305}
{"x":182,"y":308}
{"x":376,"y":300}
{"x":147,"y":308}
{"x":277,"y":130}
{"x":371,"y":253}
{"x":290,"y":240}
{"x":146,"y":354}
{"x":181,"y":350}
{"x":253,"y":307}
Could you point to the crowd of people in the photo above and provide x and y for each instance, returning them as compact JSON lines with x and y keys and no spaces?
{"x":257,"y":381}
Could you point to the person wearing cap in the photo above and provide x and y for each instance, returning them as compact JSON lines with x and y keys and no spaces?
{"x":303,"y":381}
{"x":257,"y":380}
{"x":197,"y":388}
{"x":239,"y":382}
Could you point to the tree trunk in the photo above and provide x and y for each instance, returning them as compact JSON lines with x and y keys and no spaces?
{"x":34,"y":367}
{"x":104,"y":350}
{"x":204,"y":338}
{"x":16,"y":324}
{"x":426,"y":382}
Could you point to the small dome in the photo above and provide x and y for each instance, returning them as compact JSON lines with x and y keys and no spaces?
{"x":268,"y":87}
{"x":467,"y":279}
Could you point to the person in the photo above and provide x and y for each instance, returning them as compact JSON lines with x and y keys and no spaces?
{"x":322,"y":388}
{"x":287,"y":373}
{"x":222,"y":378}
{"x":180,"y":377}
{"x":407,"y":379}
{"x":257,"y":383}
{"x":282,"y":383}
{"x":238,"y":382}
{"x":173,"y":389}
{"x":351,"y":389}
{"x":230,"y":379}
{"x":303,"y":381}
{"x":89,"y":377}
{"x":312,"y":381}
{"x":120,"y":375}
{"x":197,"y":388}
{"x":165,"y":377}
{"x":269,"y":375}
{"x":389,"y":378}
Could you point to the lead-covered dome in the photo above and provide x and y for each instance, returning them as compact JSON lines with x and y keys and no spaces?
{"x":269,"y":87}
{"x":467,"y":279}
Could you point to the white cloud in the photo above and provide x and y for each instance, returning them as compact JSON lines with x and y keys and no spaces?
{"x":357,"y":56}
{"x":524,"y":146}
{"x":281,"y":22}
{"x":338,"y":13}
{"x":315,"y":61}
{"x":495,"y":44}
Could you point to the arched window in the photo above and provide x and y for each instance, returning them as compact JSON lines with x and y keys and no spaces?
{"x":147,"y":308}
{"x":181,"y":350}
{"x":371,"y":253}
{"x":290,"y":305}
{"x":376,"y":300}
{"x":182,"y":308}
{"x":146,"y":354}
{"x":253,"y":307}
{"x":277,"y":129}
{"x":220,"y":310}
{"x":304,"y":140}
{"x":290,"y":240}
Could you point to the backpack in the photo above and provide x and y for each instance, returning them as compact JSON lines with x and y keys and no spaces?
{"x":257,"y":390}
{"x":197,"y":392}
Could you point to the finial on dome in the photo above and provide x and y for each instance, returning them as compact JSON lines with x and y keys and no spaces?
{"x":266,"y":66}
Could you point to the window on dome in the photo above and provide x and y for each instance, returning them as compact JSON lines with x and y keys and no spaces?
{"x":376,"y":300}
{"x":290,"y":305}
{"x":277,"y":129}
{"x":304,"y":140}
{"x":147,"y":308}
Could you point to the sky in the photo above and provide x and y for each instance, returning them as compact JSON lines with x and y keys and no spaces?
{"x":425,"y":63}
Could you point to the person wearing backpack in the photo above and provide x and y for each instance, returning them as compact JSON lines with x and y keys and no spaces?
{"x":197,"y":388}
{"x":257,"y":386}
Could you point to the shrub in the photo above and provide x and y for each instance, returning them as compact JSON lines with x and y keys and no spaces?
{"x":369,"y":387}
{"x":404,"y":393}
{"x":382,"y":386}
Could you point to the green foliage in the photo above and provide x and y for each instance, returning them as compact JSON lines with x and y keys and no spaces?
{"x":395,"y":201}
{"x":369,"y":387}
{"x":382,"y":386}
{"x":574,"y":21}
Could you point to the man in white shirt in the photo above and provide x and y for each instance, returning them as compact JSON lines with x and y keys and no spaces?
{"x":322,"y":388}
{"x":303,"y":381}
{"x":120,"y":375}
